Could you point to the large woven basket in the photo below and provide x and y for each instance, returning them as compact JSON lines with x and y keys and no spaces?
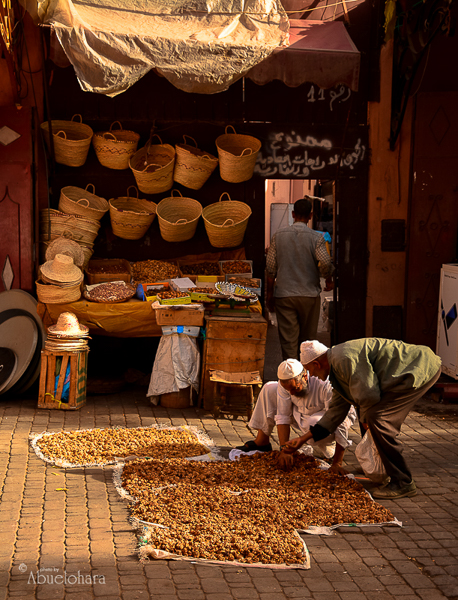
{"x":152,"y":167}
{"x":71,"y":140}
{"x":237,"y":155}
{"x":193,"y":166}
{"x":53,"y":294}
{"x":115,"y":147}
{"x":226,"y":222}
{"x":54,"y":224}
{"x":178,"y":217}
{"x":131,"y":217}
{"x":76,"y":201}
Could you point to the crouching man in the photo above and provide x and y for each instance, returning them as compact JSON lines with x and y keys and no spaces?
{"x":301,"y":399}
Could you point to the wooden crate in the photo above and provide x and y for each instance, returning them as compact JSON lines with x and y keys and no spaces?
{"x":111,"y":269}
{"x":231,"y":344}
{"x":48,"y":397}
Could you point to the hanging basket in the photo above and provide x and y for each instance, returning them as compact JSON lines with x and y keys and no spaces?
{"x":237,"y":155}
{"x":115,"y":147}
{"x":131,"y":217}
{"x":178,"y":217}
{"x":193,"y":166}
{"x":226,"y":222}
{"x":71,"y":140}
{"x":76,"y":201}
{"x":54,"y":223}
{"x":152,"y":167}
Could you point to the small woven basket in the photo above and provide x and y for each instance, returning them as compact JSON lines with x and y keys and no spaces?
{"x":54,"y":294}
{"x":131,"y":217}
{"x":76,"y":201}
{"x":71,"y":140}
{"x":54,"y":224}
{"x":152,"y":167}
{"x":115,"y":147}
{"x":226,"y":222}
{"x":193,"y":166}
{"x":237,"y":155}
{"x":178,"y":217}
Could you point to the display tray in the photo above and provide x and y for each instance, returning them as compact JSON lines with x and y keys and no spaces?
{"x":108,"y":269}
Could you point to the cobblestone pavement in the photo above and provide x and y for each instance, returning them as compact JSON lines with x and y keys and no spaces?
{"x":82,"y":532}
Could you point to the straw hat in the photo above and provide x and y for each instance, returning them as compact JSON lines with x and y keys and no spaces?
{"x":61,"y":269}
{"x":68,"y":247}
{"x":68,"y":326}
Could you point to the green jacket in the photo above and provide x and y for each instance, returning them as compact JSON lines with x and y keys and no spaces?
{"x":363,"y":370}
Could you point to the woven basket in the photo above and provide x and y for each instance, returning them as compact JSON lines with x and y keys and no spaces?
{"x":178,"y":217}
{"x":226,"y":222}
{"x":193,"y":166}
{"x":115,"y":147}
{"x":152,"y":167}
{"x":71,"y":139}
{"x":237,"y":156}
{"x":131,"y":217}
{"x":76,"y":201}
{"x":73,"y":227}
{"x":53,"y":294}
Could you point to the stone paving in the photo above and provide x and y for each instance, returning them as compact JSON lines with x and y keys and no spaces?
{"x":64,"y":533}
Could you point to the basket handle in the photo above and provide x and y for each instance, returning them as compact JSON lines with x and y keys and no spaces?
{"x":84,"y":200}
{"x":105,"y":133}
{"x":224,"y":193}
{"x":135,"y":188}
{"x":207,"y":157}
{"x":171,"y":193}
{"x":148,"y":165}
{"x":181,"y":221}
{"x":61,"y":131}
{"x":77,"y":115}
{"x":191,"y":138}
{"x":231,"y":220}
{"x":93,"y":188}
{"x":67,"y":234}
{"x":114,"y":123}
{"x":227,"y":127}
{"x":154,"y":135}
{"x":250,"y":151}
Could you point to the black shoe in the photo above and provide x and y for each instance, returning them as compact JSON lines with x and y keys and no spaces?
{"x":250,"y":446}
{"x":392,"y":491}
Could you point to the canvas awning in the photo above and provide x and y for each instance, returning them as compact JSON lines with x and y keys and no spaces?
{"x":318,"y":52}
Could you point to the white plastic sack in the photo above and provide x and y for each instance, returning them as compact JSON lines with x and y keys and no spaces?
{"x":176,"y":366}
{"x":369,"y":458}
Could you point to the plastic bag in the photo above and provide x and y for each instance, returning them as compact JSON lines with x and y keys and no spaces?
{"x":369,"y":458}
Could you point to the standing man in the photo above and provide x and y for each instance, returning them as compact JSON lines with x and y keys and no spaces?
{"x":383,"y":379}
{"x":296,"y":259}
{"x":297,"y":398}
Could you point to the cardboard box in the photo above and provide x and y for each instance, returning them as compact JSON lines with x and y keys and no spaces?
{"x":180,"y":315}
{"x":172,"y":301}
{"x":148,"y":291}
{"x":247,"y":274}
{"x":197,"y":268}
{"x":108,"y":269}
{"x":187,"y":330}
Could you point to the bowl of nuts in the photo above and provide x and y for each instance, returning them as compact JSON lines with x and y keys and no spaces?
{"x":174,"y":297}
{"x":109,"y":292}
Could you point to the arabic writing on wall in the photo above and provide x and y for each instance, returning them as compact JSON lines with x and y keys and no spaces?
{"x":290,"y":154}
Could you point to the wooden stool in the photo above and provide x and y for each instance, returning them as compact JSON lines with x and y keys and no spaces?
{"x":248,"y":383}
{"x":48,"y":396}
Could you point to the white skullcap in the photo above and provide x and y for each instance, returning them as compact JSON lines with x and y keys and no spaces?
{"x":289,"y":368}
{"x":312,"y":350}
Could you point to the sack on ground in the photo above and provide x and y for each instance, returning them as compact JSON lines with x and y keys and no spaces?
{"x":369,"y":458}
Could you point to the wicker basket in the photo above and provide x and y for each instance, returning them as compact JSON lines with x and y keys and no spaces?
{"x":226,"y":222}
{"x":76,"y":201}
{"x":193,"y":166}
{"x":178,"y":217}
{"x":54,"y":224}
{"x":115,"y":147}
{"x":71,"y":140}
{"x":131,"y":217}
{"x":53,"y":294}
{"x":152,"y":167}
{"x":237,"y":156}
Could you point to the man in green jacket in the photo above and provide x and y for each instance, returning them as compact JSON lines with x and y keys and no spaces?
{"x":383,"y":379}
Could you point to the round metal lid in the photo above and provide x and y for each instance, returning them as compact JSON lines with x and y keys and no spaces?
{"x":8,"y":363}
{"x":18,"y":332}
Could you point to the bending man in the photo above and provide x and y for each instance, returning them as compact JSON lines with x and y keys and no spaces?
{"x":383,"y":379}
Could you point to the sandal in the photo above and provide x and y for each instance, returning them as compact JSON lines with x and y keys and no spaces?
{"x":250,"y":446}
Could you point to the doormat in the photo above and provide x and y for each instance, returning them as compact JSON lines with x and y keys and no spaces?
{"x":98,"y":447}
{"x":240,"y":512}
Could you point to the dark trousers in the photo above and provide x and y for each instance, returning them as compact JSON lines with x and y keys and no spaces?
{"x":385,"y":420}
{"x":297,"y":319}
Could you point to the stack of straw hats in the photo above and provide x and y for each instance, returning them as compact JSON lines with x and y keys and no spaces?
{"x":60,"y":281}
{"x":67,"y":335}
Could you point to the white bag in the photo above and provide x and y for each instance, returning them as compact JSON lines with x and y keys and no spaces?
{"x":369,"y":458}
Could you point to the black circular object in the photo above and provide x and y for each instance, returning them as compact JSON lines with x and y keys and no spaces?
{"x":8,"y":362}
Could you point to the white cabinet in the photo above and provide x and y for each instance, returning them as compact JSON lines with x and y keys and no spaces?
{"x":447,"y":323}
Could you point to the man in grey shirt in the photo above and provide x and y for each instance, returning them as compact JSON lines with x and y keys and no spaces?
{"x":296,"y":260}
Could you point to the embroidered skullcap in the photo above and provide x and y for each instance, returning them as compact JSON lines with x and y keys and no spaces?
{"x":311,"y":350}
{"x":289,"y":368}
